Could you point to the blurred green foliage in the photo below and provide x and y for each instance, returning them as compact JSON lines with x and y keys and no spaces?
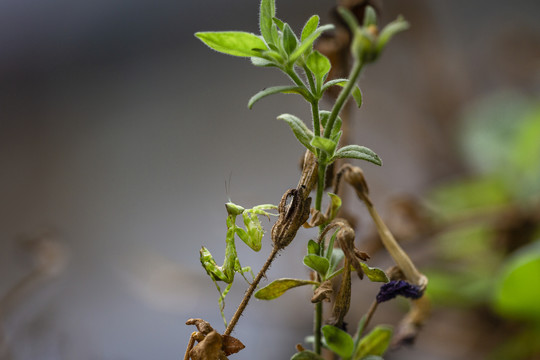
{"x":488,"y":252}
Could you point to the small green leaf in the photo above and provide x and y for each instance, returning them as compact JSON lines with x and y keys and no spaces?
{"x":290,"y":42}
{"x":278,"y":287}
{"x":307,"y":43}
{"x":356,"y":93}
{"x":335,"y":205}
{"x":349,"y":18}
{"x":313,"y":247}
{"x":267,"y":12}
{"x":318,"y":64}
{"x":370,"y":17}
{"x":317,"y":263}
{"x":338,"y":341}
{"x":287,"y":89}
{"x":236,"y":43}
{"x":389,"y":31}
{"x":310,"y":27}
{"x":257,"y":61}
{"x":337,"y":257}
{"x":374,"y":274}
{"x":280,"y":24}
{"x":300,"y":130}
{"x":338,"y":82}
{"x":326,"y":145}
{"x":374,"y":343}
{"x":357,"y":152}
{"x":330,"y":249}
{"x":357,"y":96}
{"x":306,"y":355}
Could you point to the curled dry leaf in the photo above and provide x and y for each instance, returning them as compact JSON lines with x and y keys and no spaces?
{"x":210,"y":348}
{"x":231,"y":345}
{"x":323,"y":292}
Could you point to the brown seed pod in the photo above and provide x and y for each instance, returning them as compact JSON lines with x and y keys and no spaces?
{"x":231,"y":345}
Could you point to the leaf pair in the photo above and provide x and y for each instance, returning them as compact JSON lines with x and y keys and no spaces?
{"x":372,"y":346}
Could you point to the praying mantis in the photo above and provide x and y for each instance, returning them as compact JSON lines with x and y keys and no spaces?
{"x":251,"y":235}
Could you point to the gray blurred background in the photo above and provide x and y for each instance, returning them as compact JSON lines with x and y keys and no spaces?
{"x":118,"y":130}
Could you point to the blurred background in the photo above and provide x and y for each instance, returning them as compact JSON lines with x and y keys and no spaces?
{"x":119,"y":129}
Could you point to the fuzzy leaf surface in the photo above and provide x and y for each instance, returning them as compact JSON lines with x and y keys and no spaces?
{"x":310,"y":27}
{"x":307,"y":43}
{"x":358,"y":152}
{"x":326,"y":145}
{"x":235,"y":43}
{"x":267,"y":12}
{"x":300,"y":130}
{"x":286,"y":89}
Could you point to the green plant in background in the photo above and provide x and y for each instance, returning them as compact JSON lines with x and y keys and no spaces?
{"x":490,"y":240}
{"x":279,"y":47}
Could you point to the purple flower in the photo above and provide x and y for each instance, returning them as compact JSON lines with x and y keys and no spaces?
{"x":398,"y":287}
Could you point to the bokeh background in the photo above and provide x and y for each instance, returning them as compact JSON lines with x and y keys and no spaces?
{"x":119,"y":129}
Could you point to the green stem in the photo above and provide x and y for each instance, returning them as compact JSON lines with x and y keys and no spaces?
{"x":318,"y":307}
{"x":343,"y":96}
{"x":294,"y":77}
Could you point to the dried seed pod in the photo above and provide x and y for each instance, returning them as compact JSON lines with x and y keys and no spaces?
{"x":342,"y":301}
{"x":310,"y":169}
{"x":291,"y":216}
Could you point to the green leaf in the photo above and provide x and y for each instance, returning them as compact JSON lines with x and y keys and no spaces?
{"x":338,"y":341}
{"x":356,"y":93}
{"x":374,"y":343}
{"x":374,"y":274}
{"x":257,"y":61}
{"x":349,"y":18}
{"x":287,"y":89}
{"x":278,"y":287}
{"x":389,"y":31}
{"x":236,"y":43}
{"x":335,"y":133}
{"x":280,"y":24}
{"x":518,"y":291}
{"x":357,"y":152}
{"x":318,"y":64}
{"x":308,"y":42}
{"x":317,"y":263}
{"x":313,"y":247}
{"x":300,"y":130}
{"x":357,"y":96}
{"x":370,"y":17}
{"x":267,"y":12}
{"x":335,"y":82}
{"x":306,"y":355}
{"x":326,"y":145}
{"x":290,"y":42}
{"x":310,"y":27}
{"x":330,"y":249}
{"x":335,"y":205}
{"x":337,"y":257}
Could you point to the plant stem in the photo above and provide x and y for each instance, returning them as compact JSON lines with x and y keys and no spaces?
{"x":295,"y":78}
{"x":343,"y":96}
{"x":250,"y":291}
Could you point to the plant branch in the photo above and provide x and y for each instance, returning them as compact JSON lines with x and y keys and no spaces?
{"x":250,"y":290}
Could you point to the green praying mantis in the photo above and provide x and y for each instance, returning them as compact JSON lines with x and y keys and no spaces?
{"x":251,"y":235}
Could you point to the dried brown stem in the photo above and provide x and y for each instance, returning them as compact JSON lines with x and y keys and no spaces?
{"x":250,"y":291}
